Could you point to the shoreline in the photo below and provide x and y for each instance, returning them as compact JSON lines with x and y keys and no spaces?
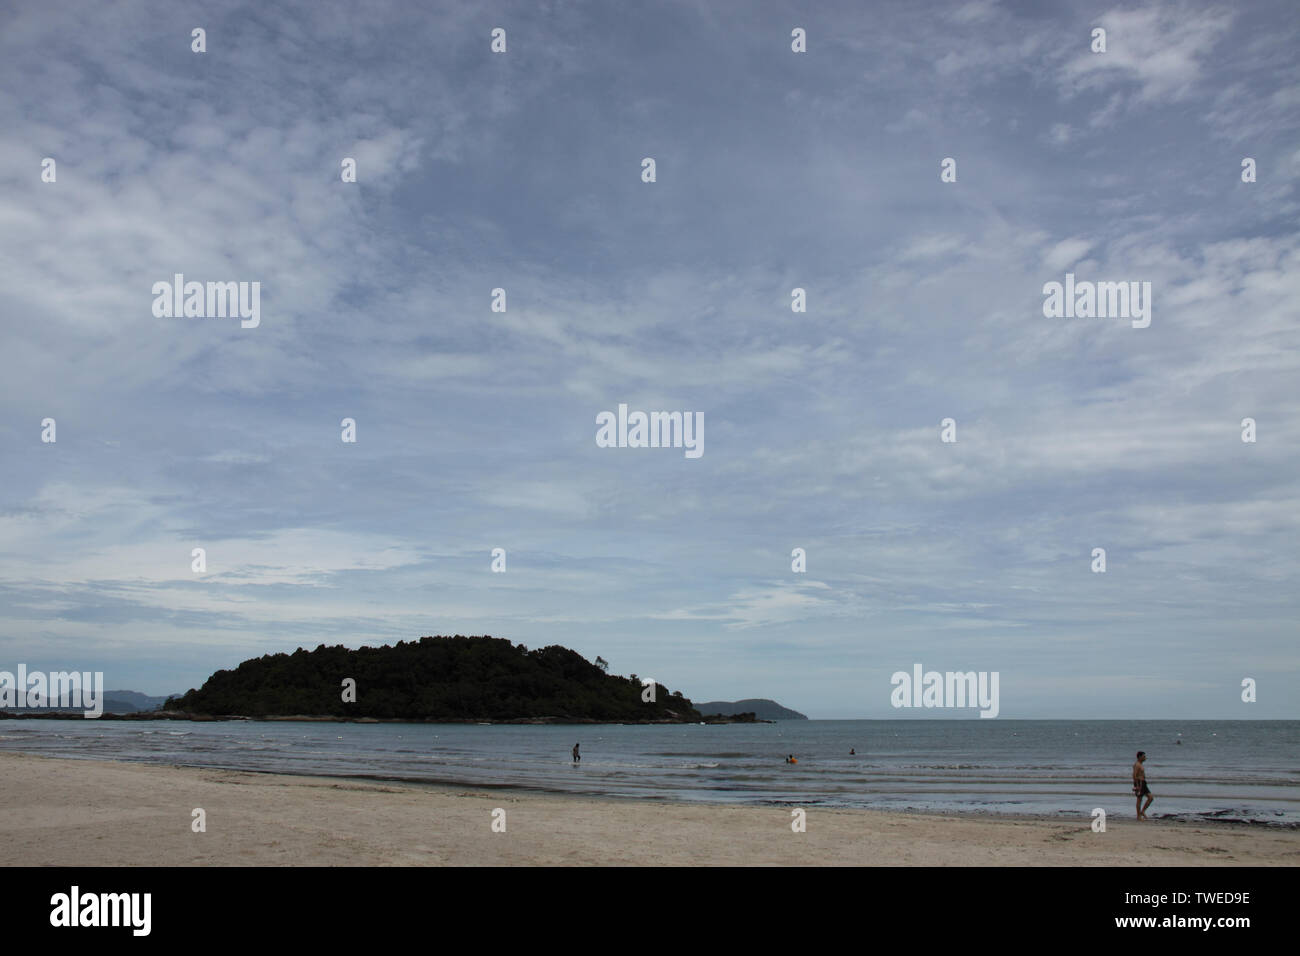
{"x":80,"y":812}
{"x":176,"y":715}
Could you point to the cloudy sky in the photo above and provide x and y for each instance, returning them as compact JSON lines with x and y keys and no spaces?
{"x":476,"y":429}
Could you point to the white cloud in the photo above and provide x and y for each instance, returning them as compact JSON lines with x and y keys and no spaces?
{"x":1161,"y":48}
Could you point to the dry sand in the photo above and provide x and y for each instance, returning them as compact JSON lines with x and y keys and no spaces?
{"x":93,"y":813}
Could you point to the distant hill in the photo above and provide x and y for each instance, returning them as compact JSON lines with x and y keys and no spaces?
{"x":116,"y":702}
{"x":130,"y":701}
{"x":761,"y":707}
{"x":434,"y":678}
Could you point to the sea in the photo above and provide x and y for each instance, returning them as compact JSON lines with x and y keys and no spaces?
{"x":1235,"y":771}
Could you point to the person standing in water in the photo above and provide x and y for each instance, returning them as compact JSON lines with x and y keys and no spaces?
{"x":576,"y":756}
{"x":1140,"y":788}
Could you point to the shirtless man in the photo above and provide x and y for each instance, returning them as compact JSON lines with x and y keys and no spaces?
{"x":1140,"y":788}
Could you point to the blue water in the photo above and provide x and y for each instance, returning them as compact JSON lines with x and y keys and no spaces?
{"x":1230,"y":770}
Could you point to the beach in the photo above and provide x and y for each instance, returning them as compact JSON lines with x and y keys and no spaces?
{"x":72,"y":812}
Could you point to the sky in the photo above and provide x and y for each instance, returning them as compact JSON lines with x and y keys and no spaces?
{"x":476,"y":429}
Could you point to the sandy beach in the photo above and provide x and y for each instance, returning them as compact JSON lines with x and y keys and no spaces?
{"x":93,"y":813}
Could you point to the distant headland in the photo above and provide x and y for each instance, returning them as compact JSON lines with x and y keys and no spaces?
{"x":760,"y":707}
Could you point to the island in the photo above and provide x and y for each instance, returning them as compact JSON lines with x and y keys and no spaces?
{"x":761,"y":707}
{"x":437,"y":679}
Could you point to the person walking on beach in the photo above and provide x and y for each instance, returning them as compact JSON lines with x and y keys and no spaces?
{"x":1140,"y":788}
{"x":576,"y":756}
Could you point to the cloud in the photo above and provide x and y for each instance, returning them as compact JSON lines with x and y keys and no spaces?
{"x":1161,"y":50}
{"x":476,"y":428}
{"x":1066,"y":253}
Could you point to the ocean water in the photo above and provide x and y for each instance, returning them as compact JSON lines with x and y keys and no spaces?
{"x":1245,"y":771}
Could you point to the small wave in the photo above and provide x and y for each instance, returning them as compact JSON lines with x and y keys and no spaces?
{"x":725,"y":755}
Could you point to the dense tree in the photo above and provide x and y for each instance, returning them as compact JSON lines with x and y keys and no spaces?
{"x":434,"y":678}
